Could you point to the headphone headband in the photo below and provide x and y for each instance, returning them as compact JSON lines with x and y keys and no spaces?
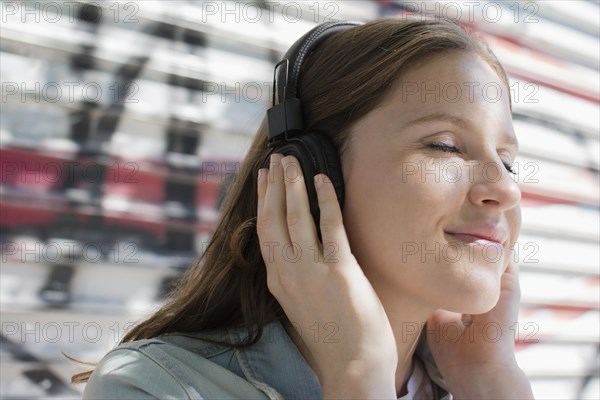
{"x":286,"y":116}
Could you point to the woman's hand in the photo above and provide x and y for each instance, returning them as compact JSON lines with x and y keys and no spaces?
{"x":344,"y":331}
{"x":475,"y":353}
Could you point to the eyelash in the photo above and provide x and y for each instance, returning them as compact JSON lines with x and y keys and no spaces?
{"x":453,"y":149}
{"x":444,"y":147}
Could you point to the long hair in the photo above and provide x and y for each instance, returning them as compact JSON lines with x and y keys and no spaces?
{"x":344,"y":79}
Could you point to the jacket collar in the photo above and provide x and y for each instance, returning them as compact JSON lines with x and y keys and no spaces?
{"x":275,"y":361}
{"x":274,"y":364}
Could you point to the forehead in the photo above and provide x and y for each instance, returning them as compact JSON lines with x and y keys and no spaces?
{"x":405,"y":111}
{"x":461,"y":84}
{"x":452,"y":77}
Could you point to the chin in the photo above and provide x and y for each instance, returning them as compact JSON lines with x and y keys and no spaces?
{"x":473,"y":304}
{"x":482,"y":304}
{"x":476,"y":294}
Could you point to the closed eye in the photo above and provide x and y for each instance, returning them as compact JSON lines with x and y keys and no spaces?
{"x":510,"y":168}
{"x":453,"y":149}
{"x":444,"y":147}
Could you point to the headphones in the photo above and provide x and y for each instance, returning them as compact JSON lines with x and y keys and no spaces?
{"x":314,"y":150}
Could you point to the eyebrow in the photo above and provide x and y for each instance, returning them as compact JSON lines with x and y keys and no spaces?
{"x":453,"y":119}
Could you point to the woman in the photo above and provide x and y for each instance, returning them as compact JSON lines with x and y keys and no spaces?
{"x":410,"y":293}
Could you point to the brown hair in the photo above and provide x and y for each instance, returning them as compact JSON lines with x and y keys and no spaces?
{"x":345,"y":78}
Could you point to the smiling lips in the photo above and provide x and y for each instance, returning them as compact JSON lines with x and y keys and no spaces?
{"x":471,"y":234}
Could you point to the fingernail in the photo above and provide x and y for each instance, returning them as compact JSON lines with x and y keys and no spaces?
{"x":275,"y":157}
{"x":318,"y":181}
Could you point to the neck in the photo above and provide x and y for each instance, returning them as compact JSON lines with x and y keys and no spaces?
{"x":407,"y":320}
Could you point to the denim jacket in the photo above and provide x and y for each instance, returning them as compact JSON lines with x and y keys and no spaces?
{"x":189,"y":367}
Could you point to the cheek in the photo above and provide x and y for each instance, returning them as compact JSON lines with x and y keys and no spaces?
{"x":430,"y":188}
{"x":451,"y":172}
{"x":393,"y":200}
{"x":399,"y":204}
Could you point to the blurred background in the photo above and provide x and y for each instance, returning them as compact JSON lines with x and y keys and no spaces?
{"x":122,"y":123}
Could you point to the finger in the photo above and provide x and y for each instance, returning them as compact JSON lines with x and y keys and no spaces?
{"x":510,"y":290}
{"x":261,"y":189}
{"x":300,"y":223}
{"x":512,"y":267}
{"x":330,"y":220}
{"x":272,"y":224}
{"x":510,"y":277}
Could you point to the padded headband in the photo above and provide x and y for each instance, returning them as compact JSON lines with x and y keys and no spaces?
{"x":300,"y":49}
{"x":286,"y":115}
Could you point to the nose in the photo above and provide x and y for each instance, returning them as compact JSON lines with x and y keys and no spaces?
{"x":494,"y":187}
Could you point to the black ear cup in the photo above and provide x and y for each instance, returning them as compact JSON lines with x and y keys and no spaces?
{"x":314,"y":150}
{"x":316,"y":154}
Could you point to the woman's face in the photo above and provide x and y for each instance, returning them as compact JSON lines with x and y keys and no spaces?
{"x":431,"y":210}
